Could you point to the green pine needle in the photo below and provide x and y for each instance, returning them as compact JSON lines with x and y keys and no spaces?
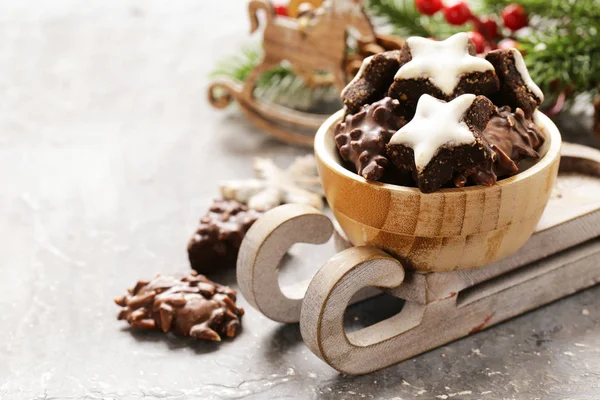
{"x":551,"y":9}
{"x":562,"y":48}
{"x":279,"y":85}
{"x":406,"y":20}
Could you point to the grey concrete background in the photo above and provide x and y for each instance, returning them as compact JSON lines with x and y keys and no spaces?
{"x":109,"y":153}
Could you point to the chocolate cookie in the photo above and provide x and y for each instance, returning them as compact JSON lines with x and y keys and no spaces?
{"x":513,"y":138}
{"x":444,"y":70}
{"x":188,"y":305}
{"x":372,"y":80}
{"x":361,"y":138}
{"x":517,"y":90}
{"x":442,"y":139}
{"x":217,"y":240}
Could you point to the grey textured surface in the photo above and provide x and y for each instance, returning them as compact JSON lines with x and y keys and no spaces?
{"x":109,"y":154}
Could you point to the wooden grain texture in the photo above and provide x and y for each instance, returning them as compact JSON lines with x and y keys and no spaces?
{"x":558,"y":230}
{"x":332,"y":288}
{"x":314,"y":46}
{"x":448,"y":230}
{"x":265,"y":244}
{"x":293,"y":7}
{"x":559,"y":259}
{"x":418,"y":327}
{"x":319,"y":45}
{"x":571,"y":217}
{"x":569,"y":220}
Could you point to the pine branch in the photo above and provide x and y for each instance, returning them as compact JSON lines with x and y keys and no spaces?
{"x":238,"y":67}
{"x":552,"y":9}
{"x":562,"y":48}
{"x":401,"y":14}
{"x":405,"y":20}
{"x":279,"y":85}
{"x":559,"y":62}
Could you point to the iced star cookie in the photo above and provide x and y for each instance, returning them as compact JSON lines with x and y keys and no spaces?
{"x":517,"y":89}
{"x":372,"y":81}
{"x":361,"y":138}
{"x":442,"y":139}
{"x":443,"y":69}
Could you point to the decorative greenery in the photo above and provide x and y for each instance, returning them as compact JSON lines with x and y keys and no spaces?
{"x":561,"y":47}
{"x":405,"y":20}
{"x":574,"y":10}
{"x":239,"y":66}
{"x":279,"y":85}
{"x":558,"y":63}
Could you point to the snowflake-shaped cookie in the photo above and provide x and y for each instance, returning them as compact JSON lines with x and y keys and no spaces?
{"x":299,"y":183}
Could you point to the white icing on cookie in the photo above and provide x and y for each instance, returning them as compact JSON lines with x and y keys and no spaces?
{"x":442,"y":62}
{"x":358,"y":75}
{"x":522,"y":69}
{"x":436,"y":123}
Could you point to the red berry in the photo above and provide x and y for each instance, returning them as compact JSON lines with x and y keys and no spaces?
{"x":488,"y":28}
{"x":457,"y":12}
{"x":428,"y":7}
{"x":281,"y":10}
{"x":478,"y":40}
{"x":514,"y":17}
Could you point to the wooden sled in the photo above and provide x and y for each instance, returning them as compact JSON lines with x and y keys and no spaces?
{"x":290,"y":126}
{"x":560,"y":259}
{"x":316,"y":49}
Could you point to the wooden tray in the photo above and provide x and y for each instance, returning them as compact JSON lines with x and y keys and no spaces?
{"x":558,"y":260}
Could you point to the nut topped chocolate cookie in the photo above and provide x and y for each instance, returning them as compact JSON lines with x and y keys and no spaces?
{"x":187,"y":305}
{"x":443,"y":69}
{"x":517,"y":89}
{"x":372,"y":81}
{"x":217,"y":239}
{"x":442,"y":139}
{"x":361,"y":138}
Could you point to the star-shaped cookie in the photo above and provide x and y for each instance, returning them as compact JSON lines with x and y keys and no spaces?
{"x":372,"y":81}
{"x":517,"y":89}
{"x":442,"y":138}
{"x":443,"y":69}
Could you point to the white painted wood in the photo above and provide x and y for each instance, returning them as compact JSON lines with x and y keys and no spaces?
{"x":265,"y":244}
{"x":332,"y":288}
{"x":559,"y":259}
{"x":418,"y":327}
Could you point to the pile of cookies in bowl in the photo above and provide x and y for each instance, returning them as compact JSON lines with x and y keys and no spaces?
{"x":440,"y":156}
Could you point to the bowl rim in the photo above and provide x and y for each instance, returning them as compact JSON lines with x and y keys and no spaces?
{"x":327,"y":157}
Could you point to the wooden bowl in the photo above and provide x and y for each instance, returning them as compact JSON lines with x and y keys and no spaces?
{"x":447,"y":230}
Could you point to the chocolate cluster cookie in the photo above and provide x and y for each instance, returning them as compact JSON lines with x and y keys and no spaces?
{"x":187,"y":305}
{"x":217,"y":239}
{"x":446,"y":119}
{"x":361,"y":138}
